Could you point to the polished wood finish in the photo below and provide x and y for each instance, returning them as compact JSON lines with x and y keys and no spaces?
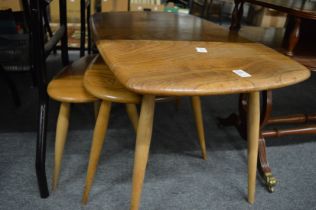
{"x":299,"y":9}
{"x":193,"y":73}
{"x":300,"y":13}
{"x":67,"y":86}
{"x":101,"y":82}
{"x":153,"y":74}
{"x":253,"y":124}
{"x":144,"y":132}
{"x":61,"y":136}
{"x":170,"y":68}
{"x":158,"y":26}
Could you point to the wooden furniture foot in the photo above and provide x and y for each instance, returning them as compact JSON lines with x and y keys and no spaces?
{"x":61,"y":137}
{"x":253,"y":126}
{"x":264,"y":168}
{"x":294,"y":37}
{"x":143,"y":139}
{"x":197,"y":108}
{"x":97,"y":145}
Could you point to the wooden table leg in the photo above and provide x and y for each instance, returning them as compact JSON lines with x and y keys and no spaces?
{"x":253,"y":125}
{"x":237,"y":15}
{"x":197,"y":109}
{"x":143,"y":139}
{"x":294,"y":37}
{"x":239,"y":121}
{"x":96,"y":147}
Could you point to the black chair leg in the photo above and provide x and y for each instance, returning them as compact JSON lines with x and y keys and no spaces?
{"x":64,"y":39}
{"x":88,"y":27}
{"x":82,"y":27}
{"x":41,"y":147}
{"x":11,"y":85}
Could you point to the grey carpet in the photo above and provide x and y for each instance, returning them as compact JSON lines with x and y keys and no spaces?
{"x":176,"y":178}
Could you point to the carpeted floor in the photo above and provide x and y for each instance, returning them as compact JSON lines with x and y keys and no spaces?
{"x":176,"y":178}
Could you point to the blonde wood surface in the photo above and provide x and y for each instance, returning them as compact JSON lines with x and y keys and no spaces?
{"x":96,"y":106}
{"x":131,"y":110}
{"x":253,"y":124}
{"x":61,"y":136}
{"x":100,"y":81}
{"x":143,"y":139}
{"x":175,"y":68}
{"x":67,"y":86}
{"x":197,"y":109}
{"x":158,"y":26}
{"x":97,"y":144}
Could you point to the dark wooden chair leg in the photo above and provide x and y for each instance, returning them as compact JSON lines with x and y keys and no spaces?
{"x":11,"y":85}
{"x":41,"y":146}
{"x":236,"y":15}
{"x":294,"y":37}
{"x":64,"y":40}
{"x":47,"y":26}
{"x":88,"y":27}
{"x":82,"y":27}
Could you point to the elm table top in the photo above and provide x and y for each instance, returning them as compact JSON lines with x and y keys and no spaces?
{"x":176,"y":68}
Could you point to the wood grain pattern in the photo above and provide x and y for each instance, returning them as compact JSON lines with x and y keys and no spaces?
{"x":158,"y":26}
{"x":175,"y":68}
{"x":100,"y":81}
{"x":67,"y":86}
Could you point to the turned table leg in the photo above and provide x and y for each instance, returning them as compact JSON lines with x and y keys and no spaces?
{"x":294,"y":37}
{"x":237,"y":15}
{"x":253,"y":125}
{"x":143,"y":139}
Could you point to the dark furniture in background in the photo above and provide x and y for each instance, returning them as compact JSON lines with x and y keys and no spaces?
{"x":297,"y":9}
{"x":38,"y":63}
{"x":300,"y":12}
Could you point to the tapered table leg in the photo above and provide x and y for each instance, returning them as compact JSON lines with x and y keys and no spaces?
{"x":96,"y":147}
{"x":253,"y":125}
{"x":197,"y":109}
{"x":143,"y":139}
{"x":61,"y":137}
